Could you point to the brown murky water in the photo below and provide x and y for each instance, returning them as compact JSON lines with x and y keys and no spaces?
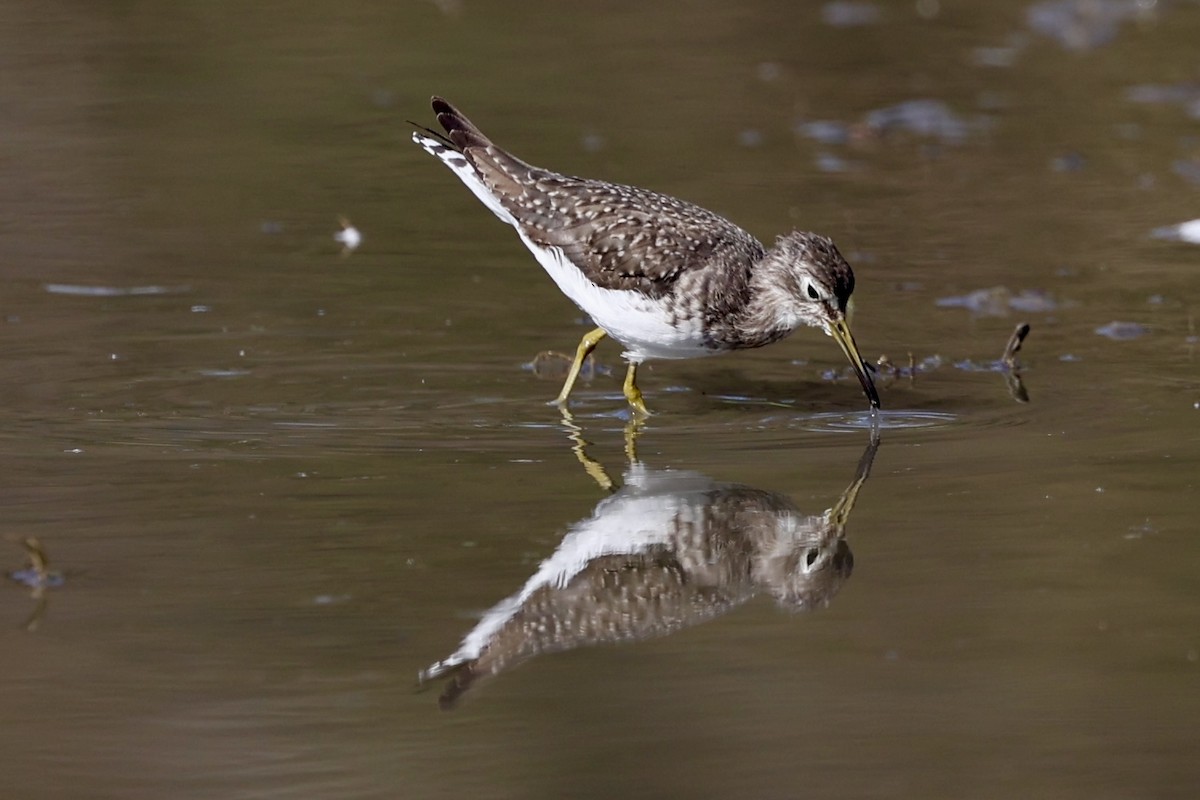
{"x":279,"y":481}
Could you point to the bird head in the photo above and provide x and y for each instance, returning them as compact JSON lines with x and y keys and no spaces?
{"x":817,"y":284}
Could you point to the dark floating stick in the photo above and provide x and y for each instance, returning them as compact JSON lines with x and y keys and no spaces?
{"x":1009,"y":359}
{"x":1012,"y":375}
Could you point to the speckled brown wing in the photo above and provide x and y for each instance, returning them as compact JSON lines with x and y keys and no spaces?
{"x":623,"y":237}
{"x":620,"y":237}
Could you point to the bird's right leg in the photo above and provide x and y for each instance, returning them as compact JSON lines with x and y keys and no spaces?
{"x":633,"y":394}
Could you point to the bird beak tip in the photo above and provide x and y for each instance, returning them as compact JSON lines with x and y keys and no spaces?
{"x":839,"y":329}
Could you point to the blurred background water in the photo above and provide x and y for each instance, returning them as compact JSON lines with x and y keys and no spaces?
{"x":276,"y":480}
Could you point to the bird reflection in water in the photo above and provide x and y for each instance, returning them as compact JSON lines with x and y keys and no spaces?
{"x":667,"y":550}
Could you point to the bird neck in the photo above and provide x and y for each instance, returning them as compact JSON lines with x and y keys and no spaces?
{"x":768,"y":314}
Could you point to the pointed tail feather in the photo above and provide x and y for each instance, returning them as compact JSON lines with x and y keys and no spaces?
{"x":430,"y":133}
{"x":459,"y":129}
{"x":472,"y":157}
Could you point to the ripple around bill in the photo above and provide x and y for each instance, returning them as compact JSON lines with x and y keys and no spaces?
{"x":833,"y":422}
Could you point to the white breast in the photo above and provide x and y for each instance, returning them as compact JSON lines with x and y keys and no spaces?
{"x":640,"y":323}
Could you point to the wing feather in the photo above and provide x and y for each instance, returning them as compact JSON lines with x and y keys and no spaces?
{"x":620,"y":237}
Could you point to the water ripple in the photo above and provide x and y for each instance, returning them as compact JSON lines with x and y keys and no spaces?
{"x":835,"y":421}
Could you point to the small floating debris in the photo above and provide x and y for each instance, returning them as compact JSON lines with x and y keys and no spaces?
{"x":223,"y":373}
{"x":1012,"y":375}
{"x":825,"y":131}
{"x":383,"y":98}
{"x":829,"y":162}
{"x":850,"y":13}
{"x":1032,"y":301}
{"x":750,"y":138}
{"x":1186,"y":95}
{"x":450,"y":8}
{"x":769,"y":71}
{"x":1183,"y":232}
{"x":1007,"y":361}
{"x":1068,"y":162}
{"x":1000,"y":57}
{"x":971,"y":365}
{"x":349,"y":236}
{"x":593,"y":142}
{"x":999,"y":300}
{"x":928,"y":9}
{"x":1084,"y":24}
{"x":1188,"y":170}
{"x":81,"y":290}
{"x":922,"y":117}
{"x":885,"y":367}
{"x":1122,"y":331}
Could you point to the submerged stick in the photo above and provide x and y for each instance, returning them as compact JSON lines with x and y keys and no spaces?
{"x":39,"y":562}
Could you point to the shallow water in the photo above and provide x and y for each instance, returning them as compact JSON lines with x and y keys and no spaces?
{"x":278,"y":481}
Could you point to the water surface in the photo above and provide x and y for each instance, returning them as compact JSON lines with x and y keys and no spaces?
{"x":280,"y":480}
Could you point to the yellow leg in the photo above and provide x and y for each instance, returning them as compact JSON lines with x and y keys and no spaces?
{"x":633,"y":429}
{"x":632,"y":393}
{"x":586,"y":345}
{"x":579,"y":446}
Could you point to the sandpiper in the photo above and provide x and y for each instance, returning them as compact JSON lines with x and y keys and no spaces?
{"x":665,"y":278}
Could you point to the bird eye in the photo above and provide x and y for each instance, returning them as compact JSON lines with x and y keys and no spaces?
{"x":812,"y":293}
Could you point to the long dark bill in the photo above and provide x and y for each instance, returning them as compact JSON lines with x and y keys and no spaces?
{"x":839,"y":329}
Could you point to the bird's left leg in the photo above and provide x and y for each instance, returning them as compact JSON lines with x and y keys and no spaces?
{"x":586,"y":345}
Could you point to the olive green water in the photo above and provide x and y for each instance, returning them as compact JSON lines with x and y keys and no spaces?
{"x":280,"y":480}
